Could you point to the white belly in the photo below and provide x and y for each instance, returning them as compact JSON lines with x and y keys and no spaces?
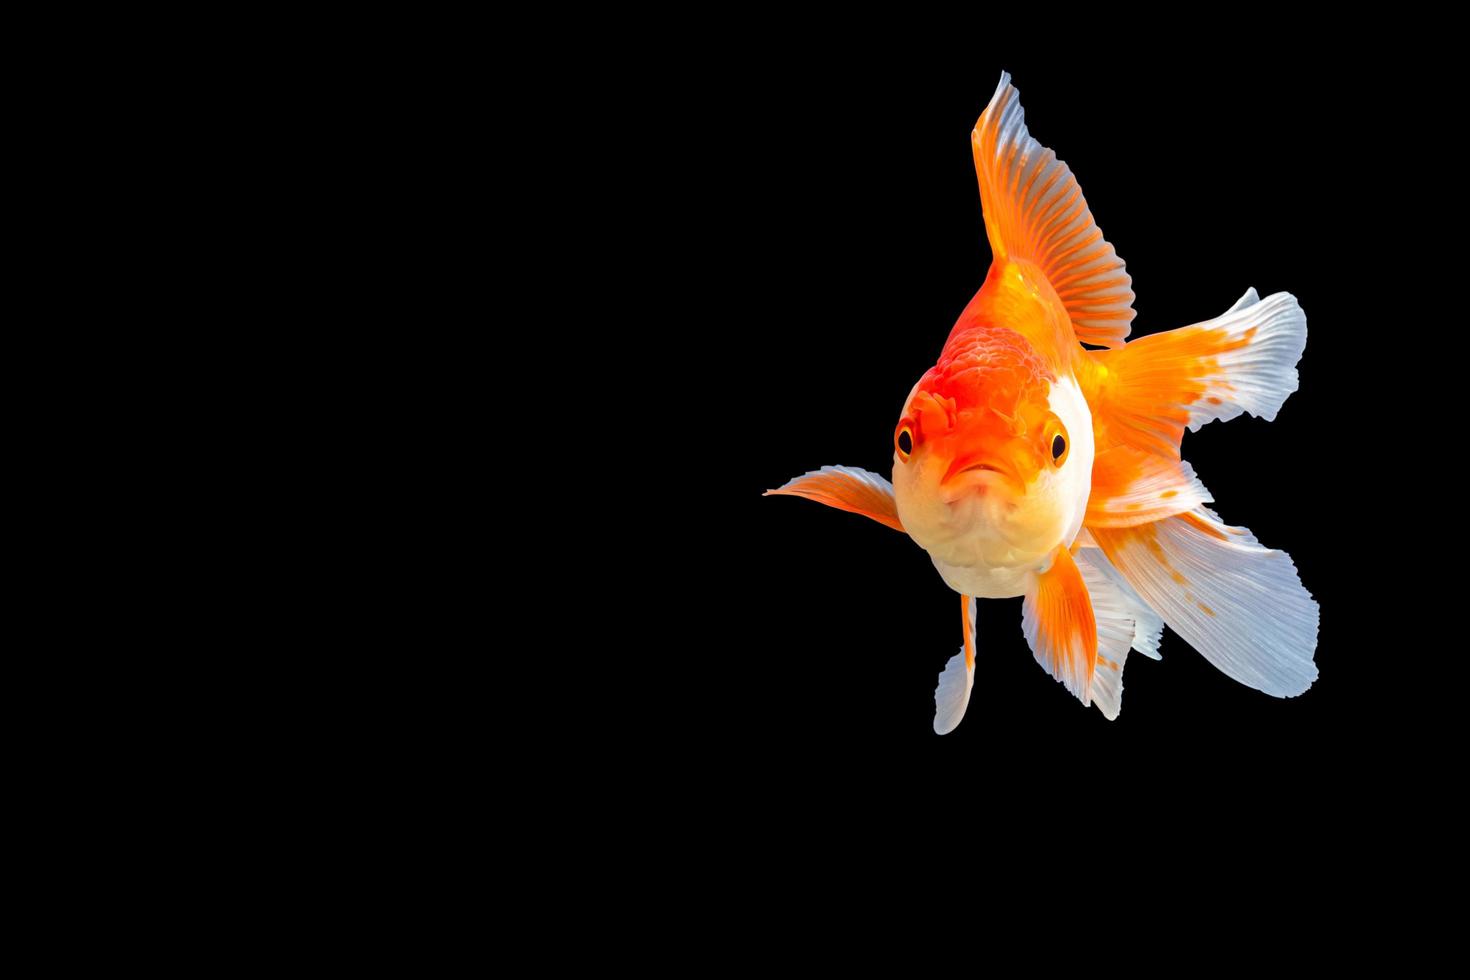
{"x":985,"y":581}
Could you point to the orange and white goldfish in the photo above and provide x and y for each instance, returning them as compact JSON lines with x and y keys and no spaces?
{"x":1026,"y":464}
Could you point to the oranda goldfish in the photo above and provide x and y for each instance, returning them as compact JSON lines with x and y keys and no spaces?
{"x":1026,"y":464}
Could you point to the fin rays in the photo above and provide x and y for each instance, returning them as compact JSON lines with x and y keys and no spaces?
{"x":1034,"y":210}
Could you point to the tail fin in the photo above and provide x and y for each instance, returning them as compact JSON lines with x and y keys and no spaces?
{"x":1242,"y":606}
{"x":1124,"y":622}
{"x":1241,"y":361}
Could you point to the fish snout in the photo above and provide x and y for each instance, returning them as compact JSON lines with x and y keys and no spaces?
{"x":981,"y":469}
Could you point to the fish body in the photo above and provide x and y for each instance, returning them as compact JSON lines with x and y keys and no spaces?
{"x":1027,"y":464}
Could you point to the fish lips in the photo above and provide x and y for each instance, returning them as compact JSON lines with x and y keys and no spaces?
{"x":982,"y":472}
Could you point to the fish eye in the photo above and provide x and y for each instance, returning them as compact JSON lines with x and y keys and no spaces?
{"x":903,"y":441}
{"x":1056,"y":441}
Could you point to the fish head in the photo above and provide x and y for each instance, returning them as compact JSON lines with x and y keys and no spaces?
{"x":993,"y":455}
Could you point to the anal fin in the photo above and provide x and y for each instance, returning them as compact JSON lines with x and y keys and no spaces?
{"x":952,"y":696}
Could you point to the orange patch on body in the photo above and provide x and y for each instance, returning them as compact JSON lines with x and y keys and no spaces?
{"x":986,"y":400}
{"x":1018,"y":295}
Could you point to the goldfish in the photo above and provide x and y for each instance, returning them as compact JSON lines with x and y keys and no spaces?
{"x":1041,"y":456}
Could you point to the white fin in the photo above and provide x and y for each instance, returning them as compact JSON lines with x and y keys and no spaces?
{"x":1241,"y":361}
{"x":1241,"y":605}
{"x":1114,"y":634}
{"x":1124,"y":621}
{"x":1148,"y":628}
{"x":1148,"y":631}
{"x":952,"y":695}
{"x":1258,"y":376}
{"x":1251,"y":298}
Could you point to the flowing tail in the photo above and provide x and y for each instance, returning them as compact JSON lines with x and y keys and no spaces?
{"x":1240,"y":604}
{"x":1241,"y":361}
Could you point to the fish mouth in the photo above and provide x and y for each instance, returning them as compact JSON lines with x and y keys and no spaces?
{"x":988,"y":464}
{"x":971,"y":473}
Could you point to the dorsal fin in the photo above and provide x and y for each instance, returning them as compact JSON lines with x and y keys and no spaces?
{"x":1034,"y":210}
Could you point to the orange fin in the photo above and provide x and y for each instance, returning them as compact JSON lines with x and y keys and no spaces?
{"x":1034,"y":211}
{"x":847,"y":488}
{"x":1059,"y":625}
{"x":1244,"y":360}
{"x":1130,"y":486}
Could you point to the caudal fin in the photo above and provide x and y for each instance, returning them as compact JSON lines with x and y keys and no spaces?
{"x":1241,"y":361}
{"x":1124,"y":622}
{"x":1241,"y":605}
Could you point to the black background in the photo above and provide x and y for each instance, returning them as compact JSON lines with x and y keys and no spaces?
{"x":835,"y":234}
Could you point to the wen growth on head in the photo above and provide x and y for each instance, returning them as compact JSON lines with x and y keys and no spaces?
{"x":1028,"y":465}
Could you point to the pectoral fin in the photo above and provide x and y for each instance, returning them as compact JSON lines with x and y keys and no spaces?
{"x":1058,"y":621}
{"x":847,"y":488}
